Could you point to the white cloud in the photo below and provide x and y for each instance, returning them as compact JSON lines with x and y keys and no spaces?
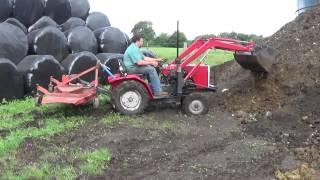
{"x":200,"y":16}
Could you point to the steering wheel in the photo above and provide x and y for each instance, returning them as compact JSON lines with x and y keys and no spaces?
{"x":161,"y":63}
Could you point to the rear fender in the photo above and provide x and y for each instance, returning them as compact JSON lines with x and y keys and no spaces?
{"x":114,"y":82}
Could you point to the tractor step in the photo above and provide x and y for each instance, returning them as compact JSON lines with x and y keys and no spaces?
{"x":163,"y":97}
{"x":260,"y":60}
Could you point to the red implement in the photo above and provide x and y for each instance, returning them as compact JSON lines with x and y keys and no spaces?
{"x":68,"y":92}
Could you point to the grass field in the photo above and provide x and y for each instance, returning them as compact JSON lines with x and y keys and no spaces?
{"x":23,"y":124}
{"x":215,"y":57}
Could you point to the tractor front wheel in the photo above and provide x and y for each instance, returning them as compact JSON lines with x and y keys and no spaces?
{"x":195,"y":104}
{"x":130,"y":98}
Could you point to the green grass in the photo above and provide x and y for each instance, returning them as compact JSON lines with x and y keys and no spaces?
{"x":113,"y":118}
{"x":215,"y":57}
{"x":18,"y":106}
{"x":91,"y":163}
{"x":21,"y":119}
{"x":47,"y":171}
{"x":53,"y":126}
{"x":95,"y":161}
{"x":43,"y":172}
{"x":15,"y":113}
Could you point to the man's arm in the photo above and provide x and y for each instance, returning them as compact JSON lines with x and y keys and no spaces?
{"x":152,"y":59}
{"x":147,"y":62}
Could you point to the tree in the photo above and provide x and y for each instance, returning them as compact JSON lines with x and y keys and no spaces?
{"x":161,"y":40}
{"x":205,"y":36}
{"x":241,"y":36}
{"x":145,"y":28}
{"x":232,"y":35}
{"x":172,"y":40}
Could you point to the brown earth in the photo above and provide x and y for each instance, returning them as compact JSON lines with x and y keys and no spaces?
{"x":295,"y":71}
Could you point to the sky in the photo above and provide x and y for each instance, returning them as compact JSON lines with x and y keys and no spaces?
{"x":197,"y":17}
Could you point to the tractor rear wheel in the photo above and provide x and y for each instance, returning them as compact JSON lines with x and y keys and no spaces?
{"x":195,"y":104}
{"x":130,"y":98}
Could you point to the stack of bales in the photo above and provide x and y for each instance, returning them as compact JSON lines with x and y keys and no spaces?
{"x":43,"y":38}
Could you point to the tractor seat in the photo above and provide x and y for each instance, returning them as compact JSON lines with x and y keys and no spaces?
{"x":116,"y":65}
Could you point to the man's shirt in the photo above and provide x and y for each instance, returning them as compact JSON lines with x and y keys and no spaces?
{"x":132,"y":56}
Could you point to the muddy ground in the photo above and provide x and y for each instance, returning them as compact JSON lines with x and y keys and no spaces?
{"x":165,"y":144}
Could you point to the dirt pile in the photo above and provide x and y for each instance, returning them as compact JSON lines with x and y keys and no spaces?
{"x":295,"y":72}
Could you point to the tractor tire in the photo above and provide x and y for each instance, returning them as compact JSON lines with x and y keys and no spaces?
{"x":195,"y":104}
{"x":130,"y":98}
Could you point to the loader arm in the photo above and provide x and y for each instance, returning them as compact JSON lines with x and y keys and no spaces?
{"x":256,"y":60}
{"x":198,"y":47}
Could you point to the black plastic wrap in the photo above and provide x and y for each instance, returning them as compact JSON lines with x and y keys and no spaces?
{"x":11,"y":81}
{"x":112,"y":60}
{"x":37,"y":69}
{"x":80,"y":8}
{"x":127,"y":39}
{"x":111,"y":40}
{"x":97,"y":20}
{"x":82,"y":39}
{"x":148,"y":53}
{"x":28,"y":11}
{"x":43,"y":22}
{"x":48,"y":41}
{"x":17,"y":23}
{"x":5,"y":9}
{"x":73,"y":22}
{"x":13,"y":43}
{"x":79,"y":62}
{"x":58,"y":10}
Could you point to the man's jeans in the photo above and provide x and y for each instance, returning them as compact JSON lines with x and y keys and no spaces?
{"x":151,"y":74}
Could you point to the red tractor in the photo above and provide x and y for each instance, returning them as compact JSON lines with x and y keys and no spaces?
{"x":185,"y":82}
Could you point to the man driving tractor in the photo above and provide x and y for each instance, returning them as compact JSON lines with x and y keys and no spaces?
{"x":137,"y":63}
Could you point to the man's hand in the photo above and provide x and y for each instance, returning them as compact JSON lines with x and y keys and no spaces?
{"x":159,"y":59}
{"x":155,"y":63}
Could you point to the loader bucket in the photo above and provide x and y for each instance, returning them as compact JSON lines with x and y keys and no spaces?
{"x":257,"y":61}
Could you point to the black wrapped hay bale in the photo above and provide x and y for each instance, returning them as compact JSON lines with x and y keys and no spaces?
{"x":112,"y":60}
{"x":13,"y":43}
{"x":17,"y":23}
{"x":11,"y":81}
{"x":28,"y":11}
{"x":79,"y":62}
{"x":97,"y":20}
{"x":73,"y":22}
{"x":48,"y":41}
{"x":43,"y":22}
{"x":37,"y":69}
{"x":5,"y":9}
{"x":58,"y":10}
{"x":111,"y":40}
{"x":82,"y":39}
{"x":80,"y":8}
{"x":128,"y":39}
